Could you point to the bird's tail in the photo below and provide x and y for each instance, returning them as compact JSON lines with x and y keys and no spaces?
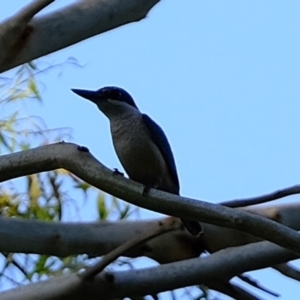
{"x":193,"y":227}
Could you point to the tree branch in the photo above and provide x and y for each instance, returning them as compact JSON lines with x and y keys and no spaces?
{"x":222,"y":265}
{"x":216,"y":238}
{"x":158,"y":229}
{"x":15,"y":31}
{"x":263,"y":199}
{"x":99,"y":238}
{"x":287,"y":270}
{"x":86,"y":167}
{"x":28,"y":12}
{"x":232,"y":290}
{"x":95,"y":239}
{"x":72,"y":24}
{"x":253,"y":283}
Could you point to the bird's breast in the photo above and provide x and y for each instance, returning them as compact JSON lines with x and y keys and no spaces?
{"x":140,"y":157}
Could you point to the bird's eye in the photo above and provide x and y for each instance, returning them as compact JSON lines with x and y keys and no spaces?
{"x":117,"y":94}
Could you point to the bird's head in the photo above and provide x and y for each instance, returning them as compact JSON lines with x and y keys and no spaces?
{"x":112,"y":101}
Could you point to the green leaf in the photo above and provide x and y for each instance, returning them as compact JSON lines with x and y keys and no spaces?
{"x":102,"y":208}
{"x":125,"y":212}
{"x":34,"y":190}
{"x":32,"y":86}
{"x":83,"y":186}
{"x":40,"y":267}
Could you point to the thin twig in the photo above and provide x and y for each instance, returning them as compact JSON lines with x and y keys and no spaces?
{"x":262,"y":199}
{"x":288,"y":271}
{"x":158,"y":229}
{"x":232,"y":290}
{"x":10,"y":260}
{"x":252,"y":282}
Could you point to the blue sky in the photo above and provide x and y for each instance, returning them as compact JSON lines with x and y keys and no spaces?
{"x":222,"y":78}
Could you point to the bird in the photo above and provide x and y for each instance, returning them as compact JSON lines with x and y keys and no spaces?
{"x":140,"y":144}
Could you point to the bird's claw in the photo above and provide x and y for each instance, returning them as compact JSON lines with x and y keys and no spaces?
{"x":146,"y":190}
{"x":83,"y":149}
{"x":117,"y":172}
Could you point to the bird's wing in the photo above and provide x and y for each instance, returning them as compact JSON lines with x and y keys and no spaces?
{"x":161,"y":141}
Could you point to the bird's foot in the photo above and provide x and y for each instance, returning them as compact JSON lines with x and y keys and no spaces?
{"x":147,"y":188}
{"x":117,"y":172}
{"x":193,"y":227}
{"x":83,"y":149}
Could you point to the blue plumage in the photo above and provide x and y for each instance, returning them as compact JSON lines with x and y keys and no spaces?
{"x":160,"y":140}
{"x":108,"y":92}
{"x":141,"y":145}
{"x":116,"y":93}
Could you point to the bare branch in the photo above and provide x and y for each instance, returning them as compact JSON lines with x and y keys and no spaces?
{"x":232,"y":290}
{"x":99,"y":238}
{"x":28,"y":12}
{"x":253,"y":282}
{"x":146,"y":235}
{"x":86,"y":167}
{"x":263,"y":199}
{"x":96,"y":239}
{"x":288,"y":270}
{"x":217,"y":237}
{"x":15,"y":31}
{"x":72,"y":24}
{"x":221,"y":266}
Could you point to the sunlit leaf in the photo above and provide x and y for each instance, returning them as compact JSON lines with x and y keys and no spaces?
{"x":83,"y":186}
{"x":102,"y":208}
{"x":124,"y":212}
{"x":33,"y":88}
{"x":34,"y":190}
{"x":40,"y":267}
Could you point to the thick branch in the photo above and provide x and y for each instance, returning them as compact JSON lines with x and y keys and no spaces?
{"x":222,"y":265}
{"x":15,"y":31}
{"x":86,"y":167}
{"x":99,"y":238}
{"x":216,"y":237}
{"x":159,"y":229}
{"x":72,"y":24}
{"x":95,"y":239}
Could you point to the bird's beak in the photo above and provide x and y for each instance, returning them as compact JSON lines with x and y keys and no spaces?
{"x":90,"y":95}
